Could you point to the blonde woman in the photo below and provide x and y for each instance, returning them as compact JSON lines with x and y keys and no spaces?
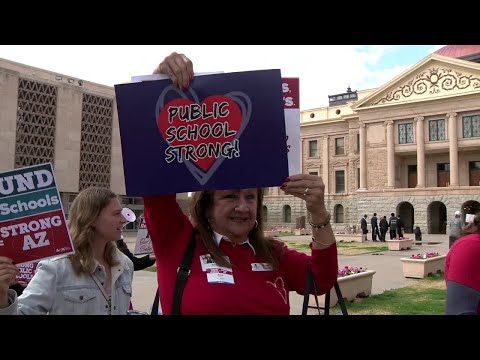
{"x":96,"y":280}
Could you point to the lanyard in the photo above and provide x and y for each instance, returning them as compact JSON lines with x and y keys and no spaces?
{"x":107,"y":297}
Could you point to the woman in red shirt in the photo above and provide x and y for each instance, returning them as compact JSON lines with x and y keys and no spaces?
{"x":235,"y":269}
{"x":461,"y":272}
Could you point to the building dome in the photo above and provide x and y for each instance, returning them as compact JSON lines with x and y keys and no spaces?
{"x":460,"y":51}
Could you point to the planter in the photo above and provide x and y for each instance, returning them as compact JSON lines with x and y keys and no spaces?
{"x":352,"y":286}
{"x":420,"y":268}
{"x":271,"y":233}
{"x":399,"y":244}
{"x":302,"y":232}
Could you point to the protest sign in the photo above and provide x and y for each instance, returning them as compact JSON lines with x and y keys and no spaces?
{"x":226,"y":131}
{"x":291,"y":101}
{"x":143,"y":244}
{"x":32,"y":222}
{"x":26,"y":272}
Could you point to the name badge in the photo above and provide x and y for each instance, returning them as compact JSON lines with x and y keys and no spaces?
{"x":261,"y":267}
{"x":220,"y":276}
{"x":216,"y":274}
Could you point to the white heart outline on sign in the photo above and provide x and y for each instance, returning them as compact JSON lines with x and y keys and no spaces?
{"x":239,"y":97}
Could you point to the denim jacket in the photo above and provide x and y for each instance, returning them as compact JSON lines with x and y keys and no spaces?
{"x":57,"y":290}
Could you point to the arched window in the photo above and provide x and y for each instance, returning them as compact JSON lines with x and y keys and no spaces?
{"x":287,"y":214}
{"x":338,"y":212}
{"x":264,"y":213}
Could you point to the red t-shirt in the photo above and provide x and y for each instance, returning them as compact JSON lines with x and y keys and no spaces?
{"x":461,"y":264}
{"x":252,"y":292}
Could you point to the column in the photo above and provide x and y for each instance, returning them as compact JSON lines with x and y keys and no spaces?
{"x":363,"y":156}
{"x":453,"y":142}
{"x":390,"y":155}
{"x":420,"y":138}
{"x":325,"y":164}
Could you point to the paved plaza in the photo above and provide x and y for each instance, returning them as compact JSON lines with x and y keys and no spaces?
{"x":388,"y":267}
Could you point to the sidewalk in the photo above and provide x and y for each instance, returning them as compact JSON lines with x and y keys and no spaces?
{"x":387,"y":264}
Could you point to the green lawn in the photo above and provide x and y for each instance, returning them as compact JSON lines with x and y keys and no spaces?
{"x":425,"y":297}
{"x":344,"y":248}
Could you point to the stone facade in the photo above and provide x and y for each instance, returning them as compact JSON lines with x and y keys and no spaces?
{"x":395,"y":141}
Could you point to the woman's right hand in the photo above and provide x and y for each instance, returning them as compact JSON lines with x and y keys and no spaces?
{"x":8,"y":273}
{"x":179,"y":68}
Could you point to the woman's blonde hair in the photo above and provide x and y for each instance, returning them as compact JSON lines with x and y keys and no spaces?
{"x":85,"y":209}
{"x":266,"y":248}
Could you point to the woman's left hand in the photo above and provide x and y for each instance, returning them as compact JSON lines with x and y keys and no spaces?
{"x":309,"y":188}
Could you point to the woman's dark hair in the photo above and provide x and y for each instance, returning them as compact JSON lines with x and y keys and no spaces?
{"x":201,"y":203}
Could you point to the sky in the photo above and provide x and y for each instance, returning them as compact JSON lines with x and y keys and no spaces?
{"x":323,"y":69}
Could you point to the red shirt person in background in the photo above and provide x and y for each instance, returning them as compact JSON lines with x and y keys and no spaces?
{"x":461,"y":272}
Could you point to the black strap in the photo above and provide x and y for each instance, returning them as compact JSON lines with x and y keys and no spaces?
{"x":306,"y":297}
{"x":155,"y":304}
{"x":182,"y":275}
{"x":326,"y":309}
{"x":341,"y":300}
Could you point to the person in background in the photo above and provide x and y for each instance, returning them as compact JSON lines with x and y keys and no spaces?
{"x":374,"y":222}
{"x":363,"y":226}
{"x":400,"y":226}
{"x":392,"y":224}
{"x":235,"y":269}
{"x":461,"y":272}
{"x":139,"y":263}
{"x":383,"y":228}
{"x":456,"y":226}
{"x":418,"y":233}
{"x":96,"y":280}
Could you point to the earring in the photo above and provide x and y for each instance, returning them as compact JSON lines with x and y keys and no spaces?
{"x":256,"y":224}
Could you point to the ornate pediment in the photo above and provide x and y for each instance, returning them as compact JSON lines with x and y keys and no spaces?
{"x":342,"y":162}
{"x":434,"y":77}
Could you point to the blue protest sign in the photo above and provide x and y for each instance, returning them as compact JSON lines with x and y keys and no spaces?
{"x":226,"y":131}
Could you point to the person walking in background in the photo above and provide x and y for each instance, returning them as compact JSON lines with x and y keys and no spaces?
{"x":383,"y":228}
{"x":456,"y":226}
{"x":363,"y":226}
{"x":461,"y":272}
{"x":392,"y":224}
{"x":374,"y":222}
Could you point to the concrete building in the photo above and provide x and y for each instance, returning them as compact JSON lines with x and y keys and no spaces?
{"x":411,"y":147}
{"x":70,"y":122}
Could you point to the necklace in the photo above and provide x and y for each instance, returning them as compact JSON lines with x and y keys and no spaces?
{"x":108,"y":298}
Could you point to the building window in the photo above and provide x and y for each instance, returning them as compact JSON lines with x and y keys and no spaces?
{"x":412,"y":176}
{"x":443,"y":174}
{"x":474,"y":173}
{"x":265,"y":213}
{"x":358,"y":178}
{"x":405,"y":133}
{"x":471,"y":126}
{"x":312,"y":148}
{"x":287,"y":214}
{"x":338,"y":213}
{"x":339,"y":181}
{"x":437,"y":130}
{"x":313,"y":173}
{"x":340,"y":146}
{"x":358,"y":142}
